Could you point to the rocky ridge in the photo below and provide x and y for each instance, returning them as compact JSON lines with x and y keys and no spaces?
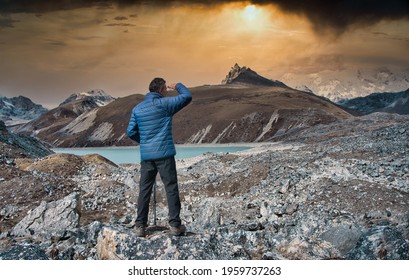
{"x":335,"y":191}
{"x":244,"y":75}
{"x":18,"y":110}
{"x":97,"y":95}
{"x":391,"y":102}
{"x":14,"y":146}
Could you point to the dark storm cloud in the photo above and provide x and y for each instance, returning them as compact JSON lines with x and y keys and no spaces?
{"x":336,"y":15}
{"x":340,"y":15}
{"x":7,"y":22}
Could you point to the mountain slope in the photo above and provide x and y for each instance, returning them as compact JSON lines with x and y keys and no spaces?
{"x":17,"y":110}
{"x":19,"y":146}
{"x":47,"y":127}
{"x":217,"y":114}
{"x":397,"y":102}
{"x":250,"y":114}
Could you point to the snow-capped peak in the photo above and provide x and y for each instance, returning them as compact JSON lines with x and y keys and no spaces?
{"x":349,"y":83}
{"x":98,"y":95}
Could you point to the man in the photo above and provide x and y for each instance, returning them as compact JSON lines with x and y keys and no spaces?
{"x":151,"y":126}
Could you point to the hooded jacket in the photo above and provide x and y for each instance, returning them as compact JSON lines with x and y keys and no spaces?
{"x":151,"y":123}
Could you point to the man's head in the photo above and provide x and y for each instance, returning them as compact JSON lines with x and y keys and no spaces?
{"x":158,"y":85}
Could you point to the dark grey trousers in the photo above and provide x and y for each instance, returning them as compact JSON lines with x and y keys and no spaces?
{"x":167,"y":171}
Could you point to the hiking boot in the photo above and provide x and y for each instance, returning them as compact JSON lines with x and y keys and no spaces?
{"x":140,"y":231}
{"x":177,"y":231}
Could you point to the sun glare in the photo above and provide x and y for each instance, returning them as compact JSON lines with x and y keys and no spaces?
{"x":251,"y":13}
{"x":254,"y":18}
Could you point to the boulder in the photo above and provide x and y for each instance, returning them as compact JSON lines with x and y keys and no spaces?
{"x":343,"y":237}
{"x":115,"y":243}
{"x":49,"y":219}
{"x":24,"y":252}
{"x":381,"y":243}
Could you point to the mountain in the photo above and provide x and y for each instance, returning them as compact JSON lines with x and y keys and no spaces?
{"x":218,"y":114}
{"x":18,"y":110}
{"x":244,"y":75}
{"x":391,"y":102}
{"x":19,"y":146}
{"x":48,"y":125}
{"x":343,"y":84}
{"x":229,"y":114}
{"x":97,"y":95}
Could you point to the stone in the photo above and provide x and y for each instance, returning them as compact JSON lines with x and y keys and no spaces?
{"x":381,"y":243}
{"x":24,"y":252}
{"x":344,"y":237}
{"x":53,"y":218}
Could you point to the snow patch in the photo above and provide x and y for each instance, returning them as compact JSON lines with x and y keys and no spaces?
{"x":122,"y":137}
{"x":200,"y":135}
{"x":8,"y":104}
{"x":83,"y":122}
{"x":102,"y":132}
{"x":14,"y":121}
{"x":273,"y":119}
{"x":217,"y":139}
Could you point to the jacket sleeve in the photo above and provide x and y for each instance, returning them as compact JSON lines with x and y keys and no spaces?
{"x":176,"y":103}
{"x":133,"y":129}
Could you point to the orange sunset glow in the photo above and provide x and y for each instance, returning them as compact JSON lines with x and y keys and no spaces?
{"x":119,"y":48}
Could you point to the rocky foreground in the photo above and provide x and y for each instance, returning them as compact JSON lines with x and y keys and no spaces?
{"x":336,"y":191}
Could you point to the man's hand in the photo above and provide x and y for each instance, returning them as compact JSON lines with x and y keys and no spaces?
{"x":172,"y":86}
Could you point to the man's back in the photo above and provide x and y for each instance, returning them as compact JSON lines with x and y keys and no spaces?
{"x":152,"y":121}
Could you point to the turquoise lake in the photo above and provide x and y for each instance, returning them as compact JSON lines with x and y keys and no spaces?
{"x":120,"y":155}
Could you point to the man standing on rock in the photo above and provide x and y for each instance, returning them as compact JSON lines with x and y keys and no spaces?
{"x":151,"y":126}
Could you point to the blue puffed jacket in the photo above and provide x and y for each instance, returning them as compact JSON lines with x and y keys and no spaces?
{"x":151,"y":123}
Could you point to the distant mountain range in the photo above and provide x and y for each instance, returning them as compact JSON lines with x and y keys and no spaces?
{"x":18,"y":110}
{"x":73,"y":108}
{"x":390,"y":102}
{"x":246,"y":107}
{"x":342,"y":84}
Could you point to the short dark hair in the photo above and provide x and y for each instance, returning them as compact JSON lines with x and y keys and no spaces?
{"x":156,"y":85}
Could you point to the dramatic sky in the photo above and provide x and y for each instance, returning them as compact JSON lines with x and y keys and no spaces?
{"x":51,"y":49}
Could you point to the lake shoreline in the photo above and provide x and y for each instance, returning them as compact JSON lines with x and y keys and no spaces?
{"x":211,"y":145}
{"x":131,"y":154}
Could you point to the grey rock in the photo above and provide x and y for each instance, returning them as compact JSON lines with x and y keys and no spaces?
{"x":52,"y":218}
{"x":208,"y":215}
{"x":117,"y":244}
{"x":291,"y":208}
{"x":24,"y":252}
{"x":130,"y":181}
{"x":344,"y":237}
{"x":381,"y":243}
{"x":8,"y":211}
